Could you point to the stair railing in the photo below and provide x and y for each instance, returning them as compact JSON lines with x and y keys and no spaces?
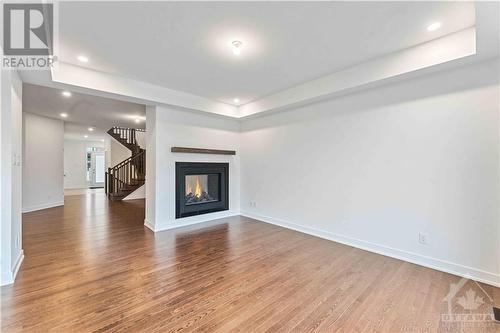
{"x":126,"y":173}
{"x":128,"y":134}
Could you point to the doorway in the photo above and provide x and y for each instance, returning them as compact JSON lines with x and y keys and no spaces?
{"x":96,"y":168}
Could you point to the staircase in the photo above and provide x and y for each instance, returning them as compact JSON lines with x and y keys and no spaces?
{"x":130,"y":174}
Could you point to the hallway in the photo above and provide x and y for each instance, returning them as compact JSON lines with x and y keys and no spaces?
{"x":73,"y":256}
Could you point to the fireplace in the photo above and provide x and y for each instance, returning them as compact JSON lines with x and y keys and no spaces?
{"x":201,"y":188}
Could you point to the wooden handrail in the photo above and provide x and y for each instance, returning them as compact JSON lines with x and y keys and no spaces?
{"x":128,"y":135}
{"x":131,"y":171}
{"x":130,"y":128}
{"x":126,"y":173}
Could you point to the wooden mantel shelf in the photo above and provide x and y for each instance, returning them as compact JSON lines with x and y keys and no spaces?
{"x":202,"y":151}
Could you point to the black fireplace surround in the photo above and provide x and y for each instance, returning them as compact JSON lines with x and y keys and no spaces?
{"x":201,"y":188}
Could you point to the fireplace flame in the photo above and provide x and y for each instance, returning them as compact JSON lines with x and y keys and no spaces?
{"x":197,"y":190}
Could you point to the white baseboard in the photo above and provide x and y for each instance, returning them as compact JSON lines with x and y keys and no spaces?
{"x":9,"y":277}
{"x":149,"y":225}
{"x":184,"y":222}
{"x":18,"y":264}
{"x":6,"y":278}
{"x":43,"y":206}
{"x":414,"y":258}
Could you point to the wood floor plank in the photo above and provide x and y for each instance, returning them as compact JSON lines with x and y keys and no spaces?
{"x":91,"y":266}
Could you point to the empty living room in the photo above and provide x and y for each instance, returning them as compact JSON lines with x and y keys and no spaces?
{"x":180,"y":166}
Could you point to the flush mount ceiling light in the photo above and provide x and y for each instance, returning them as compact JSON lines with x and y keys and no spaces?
{"x":236,"y":46}
{"x":82,"y":58}
{"x":64,"y":115}
{"x":66,"y":93}
{"x":434,"y":26}
{"x":91,"y":129}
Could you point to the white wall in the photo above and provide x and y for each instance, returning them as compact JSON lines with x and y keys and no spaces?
{"x":151,"y":138}
{"x":375,"y":168}
{"x":140,"y":137}
{"x":139,"y":193}
{"x":118,"y":152}
{"x":43,"y":162}
{"x":75,"y":156}
{"x":169,"y":127}
{"x":11,"y":175}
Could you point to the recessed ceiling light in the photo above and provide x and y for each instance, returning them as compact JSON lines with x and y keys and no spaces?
{"x":91,"y":129}
{"x":236,"y":45}
{"x":64,"y":115}
{"x":66,"y":93}
{"x":236,"y":100}
{"x":85,"y":136}
{"x":137,"y":120}
{"x":434,"y":26}
{"x":82,"y":58}
{"x":102,"y":140}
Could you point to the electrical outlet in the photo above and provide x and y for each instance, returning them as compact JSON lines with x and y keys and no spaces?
{"x":423,"y":238}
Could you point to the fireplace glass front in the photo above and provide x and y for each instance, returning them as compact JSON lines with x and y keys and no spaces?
{"x":202,"y":189}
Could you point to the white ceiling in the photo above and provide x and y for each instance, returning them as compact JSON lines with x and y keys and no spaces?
{"x":185,"y":46}
{"x":83,"y":111}
{"x":74,"y":131}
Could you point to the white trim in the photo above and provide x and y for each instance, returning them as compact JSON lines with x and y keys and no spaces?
{"x":43,"y":206}
{"x":414,"y":258}
{"x":204,"y":223}
{"x":10,"y":276}
{"x":454,"y":49}
{"x":18,"y":264}
{"x":187,"y":221}
{"x":438,"y":51}
{"x":6,"y":278}
{"x":86,"y":80}
{"x":149,"y":225}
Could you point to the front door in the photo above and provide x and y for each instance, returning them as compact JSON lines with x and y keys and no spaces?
{"x":97,"y":169}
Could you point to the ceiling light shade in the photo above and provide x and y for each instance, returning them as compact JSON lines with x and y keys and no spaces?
{"x":64,"y":115}
{"x":82,"y":58}
{"x":66,"y":93}
{"x":236,"y":45}
{"x":434,"y":26}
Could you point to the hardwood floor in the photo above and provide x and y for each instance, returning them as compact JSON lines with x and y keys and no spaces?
{"x":91,"y":266}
